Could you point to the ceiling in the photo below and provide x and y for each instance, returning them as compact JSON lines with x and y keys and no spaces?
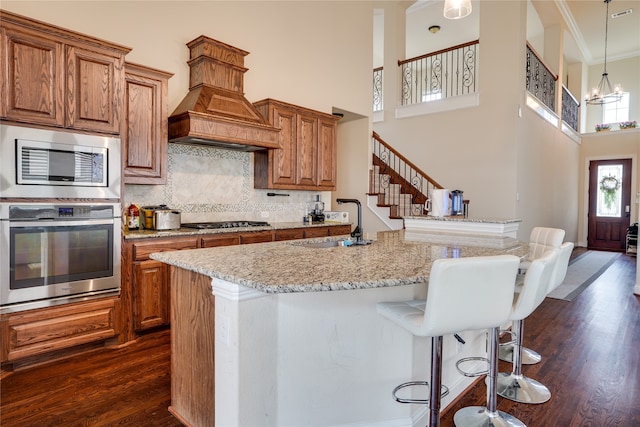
{"x":585,"y":23}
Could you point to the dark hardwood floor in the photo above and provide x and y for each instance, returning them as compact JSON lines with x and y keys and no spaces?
{"x":590,"y":348}
{"x":590,"y":351}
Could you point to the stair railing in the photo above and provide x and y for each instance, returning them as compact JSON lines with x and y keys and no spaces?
{"x":404,"y":187}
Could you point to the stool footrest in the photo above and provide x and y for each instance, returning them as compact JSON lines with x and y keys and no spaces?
{"x":445,"y":391}
{"x":472,"y":359}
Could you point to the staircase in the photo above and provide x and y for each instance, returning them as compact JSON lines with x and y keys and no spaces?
{"x":397,"y":188}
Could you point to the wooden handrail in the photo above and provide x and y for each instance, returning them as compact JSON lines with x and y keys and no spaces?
{"x":438,"y":52}
{"x":377,"y":69}
{"x":407,"y":161}
{"x":555,"y":76}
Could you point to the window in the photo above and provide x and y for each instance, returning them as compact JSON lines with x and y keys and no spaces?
{"x":610,"y":191}
{"x":616,"y":112}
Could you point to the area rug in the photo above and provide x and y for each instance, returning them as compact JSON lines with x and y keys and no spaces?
{"x":583,"y":271}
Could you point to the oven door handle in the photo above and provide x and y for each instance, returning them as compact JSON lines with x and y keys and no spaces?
{"x":65,"y":223}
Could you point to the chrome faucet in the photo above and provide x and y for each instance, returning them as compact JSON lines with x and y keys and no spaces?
{"x":357,"y":233}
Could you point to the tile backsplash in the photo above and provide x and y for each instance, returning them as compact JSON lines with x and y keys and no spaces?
{"x":212,"y":184}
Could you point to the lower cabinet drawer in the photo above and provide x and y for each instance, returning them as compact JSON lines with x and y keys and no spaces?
{"x":41,"y":331}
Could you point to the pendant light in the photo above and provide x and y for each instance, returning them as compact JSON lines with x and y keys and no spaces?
{"x":457,"y":9}
{"x":603,"y":94}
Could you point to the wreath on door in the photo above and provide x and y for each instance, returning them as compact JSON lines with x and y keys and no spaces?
{"x":609,"y":185}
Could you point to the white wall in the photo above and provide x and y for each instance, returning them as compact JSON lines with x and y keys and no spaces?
{"x":488,"y":151}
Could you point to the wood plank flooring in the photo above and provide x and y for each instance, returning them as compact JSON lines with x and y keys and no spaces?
{"x":590,"y":348}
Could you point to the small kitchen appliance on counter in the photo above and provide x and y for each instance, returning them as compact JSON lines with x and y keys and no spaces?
{"x":457,"y":207}
{"x":316,"y":210}
{"x":160,"y":218}
{"x":438,"y":202}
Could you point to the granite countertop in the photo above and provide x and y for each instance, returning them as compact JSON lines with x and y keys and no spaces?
{"x":145,"y":234}
{"x":280,"y":267}
{"x":463,"y":219}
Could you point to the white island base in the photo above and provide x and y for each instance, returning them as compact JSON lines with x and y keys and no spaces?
{"x":241,"y":357}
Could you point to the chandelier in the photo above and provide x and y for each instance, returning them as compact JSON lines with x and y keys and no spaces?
{"x":603,"y":93}
{"x":456,"y":9}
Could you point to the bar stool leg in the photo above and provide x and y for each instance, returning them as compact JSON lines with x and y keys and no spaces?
{"x":529,"y":356}
{"x":435,"y":397}
{"x":481,"y":416}
{"x":515,"y":386}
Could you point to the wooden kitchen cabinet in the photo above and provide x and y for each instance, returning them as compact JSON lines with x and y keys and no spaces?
{"x":145,"y":287}
{"x":256,"y":237}
{"x":150,"y":295}
{"x":56,"y":77}
{"x":222,"y":239}
{"x":288,"y":234}
{"x":145,"y":293}
{"x":34,"y":333}
{"x":339,"y":230}
{"x":306,"y":159}
{"x":144,"y":131}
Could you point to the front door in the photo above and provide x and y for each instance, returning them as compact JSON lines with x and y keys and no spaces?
{"x":609,"y":204}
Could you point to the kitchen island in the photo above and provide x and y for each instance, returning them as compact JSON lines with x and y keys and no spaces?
{"x":286,"y":334}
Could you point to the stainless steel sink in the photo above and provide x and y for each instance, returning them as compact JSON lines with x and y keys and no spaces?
{"x":331,"y":243}
{"x":325,"y":244}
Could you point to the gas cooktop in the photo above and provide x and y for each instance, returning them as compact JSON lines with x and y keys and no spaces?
{"x":225,"y":224}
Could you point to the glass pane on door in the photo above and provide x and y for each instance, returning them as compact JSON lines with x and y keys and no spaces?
{"x":609,"y":191}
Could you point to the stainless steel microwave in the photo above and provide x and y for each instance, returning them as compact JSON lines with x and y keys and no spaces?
{"x":41,"y":163}
{"x":48,"y":163}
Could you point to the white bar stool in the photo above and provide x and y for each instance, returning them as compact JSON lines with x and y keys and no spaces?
{"x":541,"y":240}
{"x":507,"y":382}
{"x":514,"y":385}
{"x":462,"y":294}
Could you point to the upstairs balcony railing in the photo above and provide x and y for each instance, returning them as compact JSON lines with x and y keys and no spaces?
{"x":441,"y":74}
{"x":541,"y":82}
{"x":570,"y":107}
{"x":377,"y":89}
{"x":452,"y":72}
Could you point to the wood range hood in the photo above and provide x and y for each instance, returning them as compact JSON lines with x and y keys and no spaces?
{"x":215,"y":112}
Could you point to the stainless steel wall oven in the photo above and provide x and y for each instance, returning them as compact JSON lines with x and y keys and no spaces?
{"x":53,"y":254}
{"x":60,"y":217}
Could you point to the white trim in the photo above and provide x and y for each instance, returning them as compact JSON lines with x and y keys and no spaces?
{"x":234,"y":292}
{"x":575,"y":136}
{"x":574,"y":30}
{"x":383,"y":214}
{"x":542,"y":110}
{"x":438,"y":106}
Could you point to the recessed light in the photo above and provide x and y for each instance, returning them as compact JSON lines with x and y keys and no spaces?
{"x":434,"y":28}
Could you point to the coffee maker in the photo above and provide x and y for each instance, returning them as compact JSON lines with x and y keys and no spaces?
{"x":316,"y":210}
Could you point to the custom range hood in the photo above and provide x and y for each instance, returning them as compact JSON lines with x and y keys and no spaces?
{"x":215,"y":112}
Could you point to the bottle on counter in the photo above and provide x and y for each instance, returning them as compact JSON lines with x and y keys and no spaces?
{"x":133,"y":217}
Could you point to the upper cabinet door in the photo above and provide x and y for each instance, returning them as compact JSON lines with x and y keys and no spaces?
{"x":32,"y":78}
{"x":307,"y":146}
{"x":327,"y":154}
{"x":144,"y":130}
{"x":94,"y":90}
{"x":284,"y":158}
